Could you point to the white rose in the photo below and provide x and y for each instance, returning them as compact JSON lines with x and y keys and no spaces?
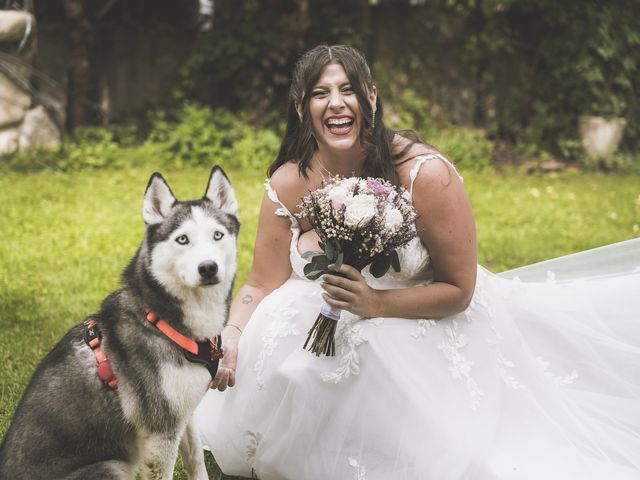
{"x":360,"y":209}
{"x":392,"y":218}
{"x":349,"y":183}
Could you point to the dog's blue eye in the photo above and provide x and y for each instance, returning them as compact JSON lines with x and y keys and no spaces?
{"x":182,"y":239}
{"x":218,"y":235}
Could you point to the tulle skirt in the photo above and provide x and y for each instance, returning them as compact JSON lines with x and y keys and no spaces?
{"x":538,"y":379}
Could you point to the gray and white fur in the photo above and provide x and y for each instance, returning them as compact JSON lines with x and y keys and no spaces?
{"x":67,"y":424}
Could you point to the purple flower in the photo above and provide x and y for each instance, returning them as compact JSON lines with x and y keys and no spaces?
{"x":377,"y":187}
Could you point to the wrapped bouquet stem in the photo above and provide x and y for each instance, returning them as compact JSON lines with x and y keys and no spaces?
{"x":360,"y":222}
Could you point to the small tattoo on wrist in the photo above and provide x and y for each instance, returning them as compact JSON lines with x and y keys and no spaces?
{"x":247,"y":299}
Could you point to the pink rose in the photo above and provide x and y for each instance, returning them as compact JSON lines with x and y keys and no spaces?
{"x":339,"y":197}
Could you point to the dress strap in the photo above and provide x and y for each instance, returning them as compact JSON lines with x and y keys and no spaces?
{"x":422,"y":159}
{"x":282,"y":211}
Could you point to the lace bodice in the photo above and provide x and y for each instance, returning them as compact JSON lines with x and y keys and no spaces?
{"x":414,"y":257}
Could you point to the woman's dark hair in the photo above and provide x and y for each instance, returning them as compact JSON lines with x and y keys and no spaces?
{"x":299,"y":143}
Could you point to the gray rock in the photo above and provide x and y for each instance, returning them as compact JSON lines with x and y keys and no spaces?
{"x":38,"y":130}
{"x":13,"y":25}
{"x":8,"y":141}
{"x":14,"y":102}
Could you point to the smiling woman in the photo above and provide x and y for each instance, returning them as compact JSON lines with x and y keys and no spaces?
{"x":442,"y":370}
{"x":337,"y":119}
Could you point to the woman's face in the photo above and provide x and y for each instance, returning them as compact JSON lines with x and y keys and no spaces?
{"x":335,"y":113}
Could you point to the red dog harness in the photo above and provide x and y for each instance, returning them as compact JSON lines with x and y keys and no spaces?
{"x":207,"y":353}
{"x":93,"y":338}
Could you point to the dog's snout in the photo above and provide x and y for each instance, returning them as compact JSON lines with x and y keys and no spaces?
{"x":208,"y":269}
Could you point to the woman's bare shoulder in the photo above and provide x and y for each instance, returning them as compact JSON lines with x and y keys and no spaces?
{"x":407,"y":148}
{"x":289,"y":184}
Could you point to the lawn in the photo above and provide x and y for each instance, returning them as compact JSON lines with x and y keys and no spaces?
{"x":67,"y":237}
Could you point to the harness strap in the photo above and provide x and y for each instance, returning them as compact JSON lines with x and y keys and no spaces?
{"x":176,"y":337}
{"x":207,"y":352}
{"x":93,"y":338}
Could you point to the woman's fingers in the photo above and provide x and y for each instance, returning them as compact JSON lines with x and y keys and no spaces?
{"x":334,"y":302}
{"x":337,"y":292}
{"x":350,"y":283}
{"x":225,"y":377}
{"x":351,"y":292}
{"x":226,"y":374}
{"x":351,"y":272}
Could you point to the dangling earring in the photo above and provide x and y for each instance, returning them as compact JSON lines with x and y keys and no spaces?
{"x":373,"y":119}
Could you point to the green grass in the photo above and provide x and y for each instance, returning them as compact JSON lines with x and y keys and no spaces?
{"x":67,"y":237}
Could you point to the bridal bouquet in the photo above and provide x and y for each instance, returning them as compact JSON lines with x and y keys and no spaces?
{"x":360,"y":222}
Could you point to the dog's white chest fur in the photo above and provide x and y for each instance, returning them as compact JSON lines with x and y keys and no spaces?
{"x":184,"y":387}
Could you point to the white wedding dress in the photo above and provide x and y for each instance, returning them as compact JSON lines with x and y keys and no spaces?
{"x":538,"y":379}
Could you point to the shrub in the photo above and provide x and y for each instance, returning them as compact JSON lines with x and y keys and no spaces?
{"x":198,"y":135}
{"x":90,"y":147}
{"x":468,"y":148}
{"x":87,"y":148}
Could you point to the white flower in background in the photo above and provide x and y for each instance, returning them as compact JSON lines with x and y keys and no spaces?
{"x":349,"y":183}
{"x":360,"y":209}
{"x":363,"y":185}
{"x":392,"y":218}
{"x":339,"y":196}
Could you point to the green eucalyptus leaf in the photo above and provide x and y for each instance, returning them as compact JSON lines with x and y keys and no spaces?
{"x":395,"y":260}
{"x":332,"y":249}
{"x":314,"y":274}
{"x":338,"y":263}
{"x":308,"y":268}
{"x":320,"y":262}
{"x":311,"y":254}
{"x":380,"y":265}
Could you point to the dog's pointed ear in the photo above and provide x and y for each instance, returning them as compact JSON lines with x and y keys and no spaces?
{"x":220,"y":192}
{"x":158,"y":200}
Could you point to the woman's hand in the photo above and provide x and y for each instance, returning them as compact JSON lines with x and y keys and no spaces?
{"x":226,"y":374}
{"x":351,"y":293}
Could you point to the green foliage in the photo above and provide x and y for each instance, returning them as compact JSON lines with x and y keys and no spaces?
{"x":587,"y":61}
{"x":468,"y":148}
{"x":90,"y":148}
{"x":199,"y":135}
{"x":192,"y":135}
{"x":522,"y":70}
{"x":407,"y":110}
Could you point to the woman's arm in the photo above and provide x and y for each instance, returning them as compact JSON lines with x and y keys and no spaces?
{"x":446,"y":226}
{"x":271,"y":267}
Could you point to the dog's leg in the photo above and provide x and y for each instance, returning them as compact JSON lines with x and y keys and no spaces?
{"x":159,"y":457}
{"x":192,"y":454}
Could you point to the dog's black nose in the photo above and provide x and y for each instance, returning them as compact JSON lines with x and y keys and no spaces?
{"x":208,"y":269}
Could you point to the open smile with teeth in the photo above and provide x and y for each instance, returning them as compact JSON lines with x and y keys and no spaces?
{"x":339,"y":126}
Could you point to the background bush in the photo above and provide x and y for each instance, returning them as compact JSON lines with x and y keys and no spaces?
{"x":195,"y":135}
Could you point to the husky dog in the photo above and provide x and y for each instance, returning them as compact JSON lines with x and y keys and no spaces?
{"x":117,"y":393}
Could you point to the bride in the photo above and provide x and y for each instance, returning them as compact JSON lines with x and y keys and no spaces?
{"x":443,"y":370}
